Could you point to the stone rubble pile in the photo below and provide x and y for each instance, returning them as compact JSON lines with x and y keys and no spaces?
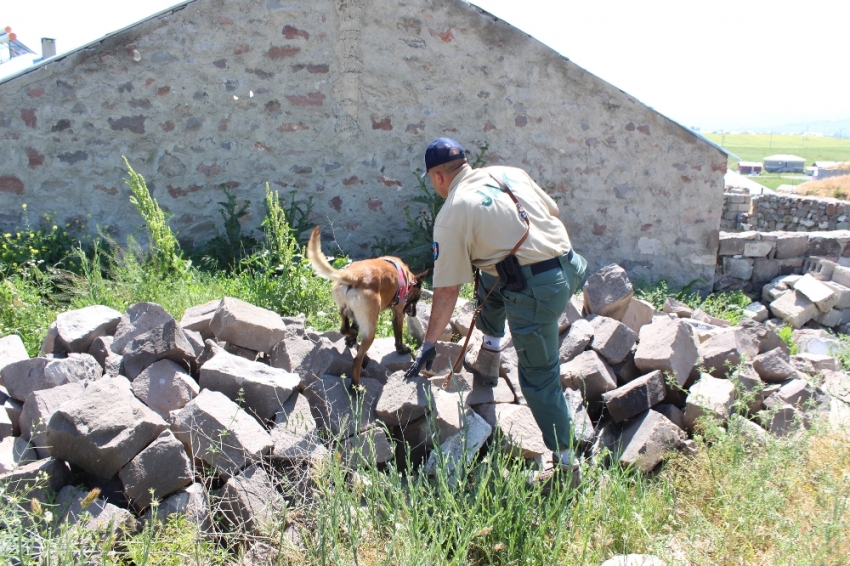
{"x":233,"y":394}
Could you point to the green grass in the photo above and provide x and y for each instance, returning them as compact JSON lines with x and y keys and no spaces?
{"x":755,"y":147}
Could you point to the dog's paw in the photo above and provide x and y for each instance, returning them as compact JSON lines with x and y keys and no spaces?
{"x":402,"y":350}
{"x":350,"y":342}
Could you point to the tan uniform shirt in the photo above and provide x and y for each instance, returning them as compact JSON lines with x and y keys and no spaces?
{"x":479,"y":224}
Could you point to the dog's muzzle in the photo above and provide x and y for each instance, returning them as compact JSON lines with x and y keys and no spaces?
{"x":410,"y":309}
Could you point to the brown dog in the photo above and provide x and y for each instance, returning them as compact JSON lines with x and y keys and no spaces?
{"x":362,"y":290}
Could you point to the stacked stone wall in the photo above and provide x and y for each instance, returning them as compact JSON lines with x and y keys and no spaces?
{"x":793,"y":213}
{"x":748,"y":260}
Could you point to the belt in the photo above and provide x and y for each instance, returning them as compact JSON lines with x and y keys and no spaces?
{"x":552,"y":263}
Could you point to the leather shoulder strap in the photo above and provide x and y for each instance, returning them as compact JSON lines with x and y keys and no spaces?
{"x":520,"y":209}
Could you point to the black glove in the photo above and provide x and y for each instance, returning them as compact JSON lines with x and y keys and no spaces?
{"x":426,"y":357}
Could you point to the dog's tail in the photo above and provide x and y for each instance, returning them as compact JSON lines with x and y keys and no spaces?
{"x":320,"y":263}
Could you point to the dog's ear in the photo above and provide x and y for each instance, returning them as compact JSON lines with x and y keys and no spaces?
{"x":420,"y":278}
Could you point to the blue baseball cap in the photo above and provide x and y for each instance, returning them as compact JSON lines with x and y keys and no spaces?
{"x":442,"y":150}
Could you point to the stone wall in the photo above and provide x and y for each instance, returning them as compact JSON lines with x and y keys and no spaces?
{"x":793,"y":213}
{"x":748,"y":260}
{"x":337,"y":101}
{"x":737,"y":204}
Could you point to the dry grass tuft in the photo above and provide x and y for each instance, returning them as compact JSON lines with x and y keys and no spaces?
{"x":834,"y":187}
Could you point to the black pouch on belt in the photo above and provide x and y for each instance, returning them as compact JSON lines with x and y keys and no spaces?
{"x":511,"y":273}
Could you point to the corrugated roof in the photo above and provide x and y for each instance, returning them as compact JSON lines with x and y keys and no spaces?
{"x":783,"y":157}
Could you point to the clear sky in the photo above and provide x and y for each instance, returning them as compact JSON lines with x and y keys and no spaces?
{"x":729,"y":64}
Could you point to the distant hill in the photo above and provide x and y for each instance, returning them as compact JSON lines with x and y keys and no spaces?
{"x":825,"y":127}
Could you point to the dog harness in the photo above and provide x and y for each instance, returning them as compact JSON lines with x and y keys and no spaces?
{"x":403,"y":284}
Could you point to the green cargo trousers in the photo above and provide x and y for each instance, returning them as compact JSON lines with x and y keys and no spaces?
{"x":533,"y":318}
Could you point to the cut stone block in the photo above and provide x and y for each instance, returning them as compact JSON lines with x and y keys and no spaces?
{"x":262,"y":389}
{"x":635,"y":397}
{"x":101,"y":349}
{"x":164,"y":342}
{"x":765,"y":270}
{"x":447,"y":354}
{"x":139,"y":319}
{"x":295,"y":354}
{"x":748,"y":429}
{"x":97,"y":515}
{"x":39,"y":408}
{"x":250,"y":503}
{"x":591,"y":375}
{"x":774,"y":366}
{"x":35,"y":480}
{"x":164,"y":386}
{"x":673,"y":414}
{"x":403,"y":401}
{"x":14,"y":453}
{"x":818,"y":362}
{"x":196,"y":340}
{"x":829,"y":319}
{"x":841,"y":275}
{"x":794,"y":308}
{"x":647,"y":438}
{"x":245,"y":353}
{"x":790,"y":245}
{"x":190,"y":501}
{"x":750,"y":381}
{"x":757,"y":312}
{"x":626,"y":370}
{"x":723,"y":352}
{"x":11,"y":350}
{"x":701,"y":316}
{"x":36,"y":374}
{"x":796,"y":392}
{"x":779,"y":417}
{"x":247,"y":325}
{"x":467,"y":442}
{"x":710,"y":397}
{"x":199,"y":317}
{"x":583,"y":432}
{"x":758,"y":248}
{"x":295,"y":434}
{"x":162,"y":468}
{"x":822,"y":296}
{"x":608,"y":292}
{"x":842,"y":292}
{"x":764,"y":337}
{"x":612,"y":339}
{"x":382,"y":351}
{"x":214,"y":429}
{"x":518,"y":429}
{"x":368,"y":448}
{"x":12,"y":409}
{"x":667,"y":345}
{"x":738,"y":268}
{"x":677,"y":308}
{"x":572,"y":313}
{"x":103,"y":428}
{"x":418,"y":325}
{"x":480,"y":393}
{"x":76,"y":329}
{"x":732,"y":243}
{"x":638,"y":315}
{"x":576,"y":340}
{"x":340,"y":410}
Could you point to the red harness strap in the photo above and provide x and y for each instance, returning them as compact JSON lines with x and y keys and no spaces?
{"x":403,"y":283}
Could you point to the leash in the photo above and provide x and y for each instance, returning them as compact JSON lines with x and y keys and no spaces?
{"x":524,"y":216}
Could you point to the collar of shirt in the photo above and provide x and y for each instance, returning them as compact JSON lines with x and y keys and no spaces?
{"x":464,"y":173}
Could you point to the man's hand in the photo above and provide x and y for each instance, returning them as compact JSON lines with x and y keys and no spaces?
{"x":426,"y":357}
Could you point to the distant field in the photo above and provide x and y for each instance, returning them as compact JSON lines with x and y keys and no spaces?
{"x":755,"y":147}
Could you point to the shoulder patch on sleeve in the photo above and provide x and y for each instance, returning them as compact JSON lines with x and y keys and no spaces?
{"x":435,"y":249}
